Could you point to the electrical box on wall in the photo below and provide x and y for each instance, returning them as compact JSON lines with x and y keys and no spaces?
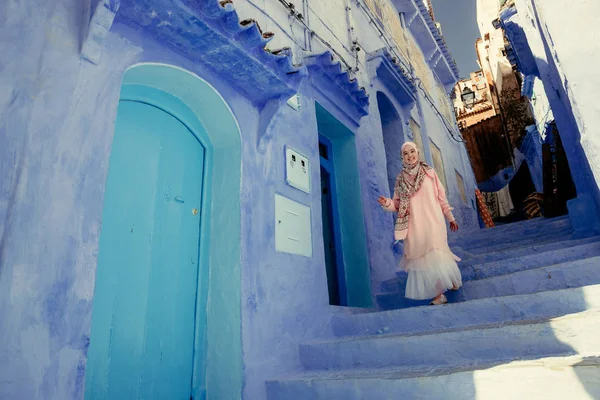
{"x":292,"y":227}
{"x":297,"y":171}
{"x":294,"y":102}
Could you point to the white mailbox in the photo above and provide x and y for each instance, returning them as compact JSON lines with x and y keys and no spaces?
{"x":297,"y":170}
{"x":292,"y":227}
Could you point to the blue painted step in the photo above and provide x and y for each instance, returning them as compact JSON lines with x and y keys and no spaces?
{"x":560,"y":276}
{"x":506,"y":266}
{"x":495,"y":310}
{"x":550,"y":378}
{"x":459,"y":348}
{"x":530,"y":293}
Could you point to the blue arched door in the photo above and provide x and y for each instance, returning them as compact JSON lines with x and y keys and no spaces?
{"x":143,"y":319}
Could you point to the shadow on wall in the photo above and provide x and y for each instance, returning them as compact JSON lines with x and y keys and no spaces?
{"x":587,"y":190}
{"x":560,"y":104}
{"x":587,"y":203}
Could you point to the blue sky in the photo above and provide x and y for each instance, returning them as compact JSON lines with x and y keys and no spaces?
{"x":459,"y":26}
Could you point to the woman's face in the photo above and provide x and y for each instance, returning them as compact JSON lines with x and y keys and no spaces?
{"x":410,"y":155}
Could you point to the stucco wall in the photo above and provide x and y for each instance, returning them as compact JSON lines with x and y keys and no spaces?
{"x":56,"y":115}
{"x":554,"y":34}
{"x":436,"y":132}
{"x":571,"y":29}
{"x":487,"y":11}
{"x":57,"y":125}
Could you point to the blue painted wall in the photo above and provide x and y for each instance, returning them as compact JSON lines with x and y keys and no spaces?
{"x":57,"y":125}
{"x":57,"y":115}
{"x":529,"y":32}
{"x":393,"y":138}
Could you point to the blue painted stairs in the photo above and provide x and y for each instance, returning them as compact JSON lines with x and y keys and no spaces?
{"x":524,"y":325}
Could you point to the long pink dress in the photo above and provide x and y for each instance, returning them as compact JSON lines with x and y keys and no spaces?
{"x":430,"y":264}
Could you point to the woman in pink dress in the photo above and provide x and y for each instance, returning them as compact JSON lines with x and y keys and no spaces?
{"x":420,"y":201}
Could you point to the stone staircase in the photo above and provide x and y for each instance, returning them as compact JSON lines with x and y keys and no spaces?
{"x":525,"y":325}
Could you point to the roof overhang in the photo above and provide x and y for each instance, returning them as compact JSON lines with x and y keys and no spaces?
{"x":393,"y":76}
{"x":209,"y":32}
{"x":432,"y":44}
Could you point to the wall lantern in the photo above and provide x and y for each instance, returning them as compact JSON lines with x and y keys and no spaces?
{"x":468,"y":97}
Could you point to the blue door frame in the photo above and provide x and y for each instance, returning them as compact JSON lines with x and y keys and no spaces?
{"x":328,"y":166}
{"x":205,"y":112}
{"x":169,"y":105}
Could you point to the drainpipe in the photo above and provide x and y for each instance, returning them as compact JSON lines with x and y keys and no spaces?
{"x":307,"y":35}
{"x":352,"y":40}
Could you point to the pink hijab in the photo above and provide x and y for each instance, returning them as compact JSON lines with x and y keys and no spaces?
{"x":408,"y":182}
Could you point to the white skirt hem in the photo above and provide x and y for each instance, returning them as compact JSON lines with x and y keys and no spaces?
{"x":431,"y":275}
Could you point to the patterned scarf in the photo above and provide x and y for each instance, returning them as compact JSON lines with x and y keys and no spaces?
{"x":408,"y":182}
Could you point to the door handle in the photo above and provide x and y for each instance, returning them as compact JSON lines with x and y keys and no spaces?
{"x":179,"y":199}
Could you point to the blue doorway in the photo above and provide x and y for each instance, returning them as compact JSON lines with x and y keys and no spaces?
{"x":334,"y":262}
{"x":143,"y":320}
{"x":342,"y":212}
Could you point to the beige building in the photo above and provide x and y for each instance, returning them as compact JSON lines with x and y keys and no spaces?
{"x":473,"y":101}
{"x":503,"y":82}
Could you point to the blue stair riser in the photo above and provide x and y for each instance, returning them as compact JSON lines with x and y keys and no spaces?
{"x":497,"y":268}
{"x":465,"y":347}
{"x":508,"y":266}
{"x":488,"y":269}
{"x":523,"y":244}
{"x":507,"y":309}
{"x":515,"y":228}
{"x":525,"y":251}
{"x":561,"y":276}
{"x":358,"y":389}
{"x":513,"y":241}
{"x":542,"y":382}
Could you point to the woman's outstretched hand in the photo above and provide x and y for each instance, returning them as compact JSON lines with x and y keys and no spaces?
{"x":382,"y":201}
{"x":453,"y":226}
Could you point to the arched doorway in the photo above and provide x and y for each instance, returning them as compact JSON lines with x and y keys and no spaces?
{"x":393,"y":137}
{"x":152,"y":329}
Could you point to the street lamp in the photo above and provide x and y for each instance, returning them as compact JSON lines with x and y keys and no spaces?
{"x":468,"y":97}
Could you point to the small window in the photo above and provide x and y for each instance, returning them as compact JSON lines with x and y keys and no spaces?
{"x":438,"y":163}
{"x":461,"y":186}
{"x":487,"y":36}
{"x":418,"y":139}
